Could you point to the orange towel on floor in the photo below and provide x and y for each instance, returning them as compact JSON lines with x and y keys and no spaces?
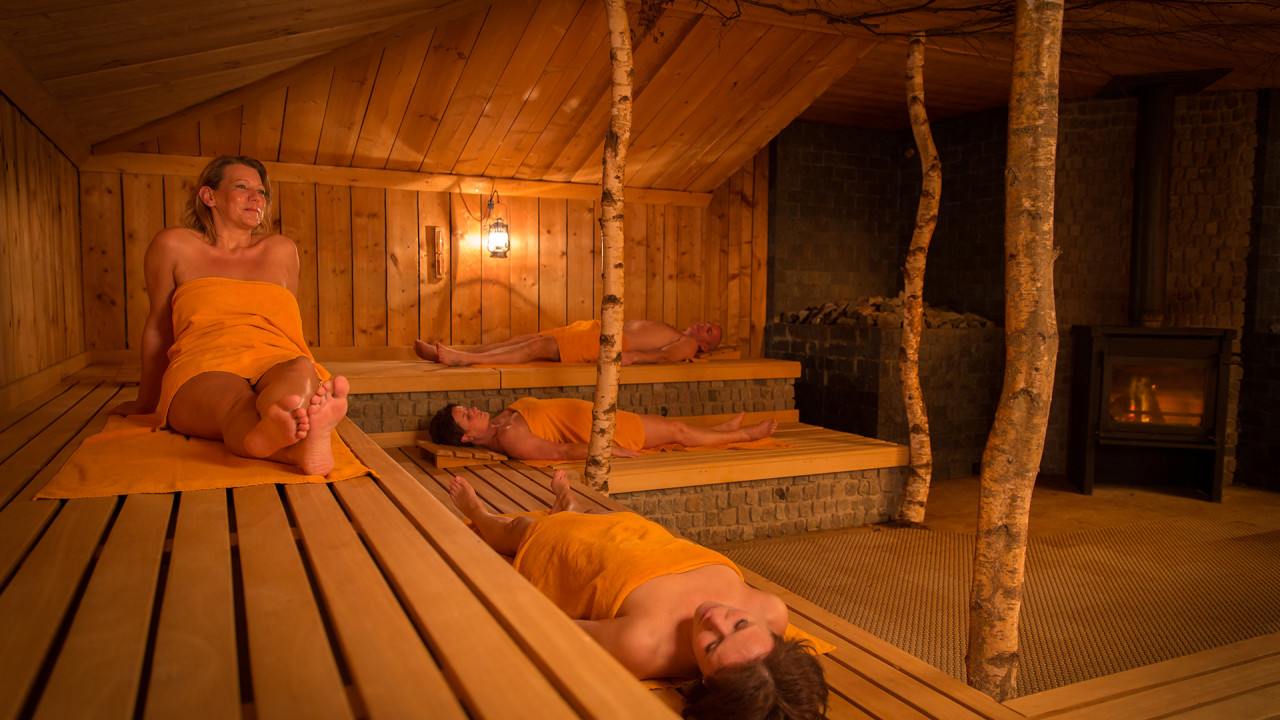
{"x":588,"y":564}
{"x":243,"y":327}
{"x":579,"y":342}
{"x":130,"y":455}
{"x":568,"y":420}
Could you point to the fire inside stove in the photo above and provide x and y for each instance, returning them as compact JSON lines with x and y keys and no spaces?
{"x":1158,"y":395}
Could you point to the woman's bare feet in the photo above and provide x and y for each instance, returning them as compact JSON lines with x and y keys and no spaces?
{"x":732,"y":423}
{"x":761,"y":429}
{"x":464,"y":498}
{"x":426,"y":351}
{"x":284,"y":423}
{"x":314,"y":453}
{"x":565,"y":500}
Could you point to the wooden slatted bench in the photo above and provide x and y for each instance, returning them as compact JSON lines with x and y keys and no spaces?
{"x":868,"y":677}
{"x":347,"y":600}
{"x":1240,"y":681}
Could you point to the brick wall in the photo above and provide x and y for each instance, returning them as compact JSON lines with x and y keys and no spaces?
{"x":1258,"y":454}
{"x":1212,"y":209}
{"x":395,"y":412}
{"x":727,"y":512}
{"x":849,"y":381}
{"x":837,"y":229}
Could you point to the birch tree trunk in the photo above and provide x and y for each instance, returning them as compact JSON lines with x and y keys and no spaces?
{"x":920,"y":471}
{"x":617,"y":137}
{"x":1013,"y":452}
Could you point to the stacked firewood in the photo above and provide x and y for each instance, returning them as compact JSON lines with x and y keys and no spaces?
{"x":880,"y":312}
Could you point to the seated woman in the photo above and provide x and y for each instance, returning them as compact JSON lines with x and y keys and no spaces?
{"x":558,"y":429}
{"x":665,"y":607}
{"x":223,"y":354}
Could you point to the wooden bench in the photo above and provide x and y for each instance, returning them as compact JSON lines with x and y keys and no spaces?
{"x":868,"y":677}
{"x":1240,"y":681}
{"x":356,"y":599}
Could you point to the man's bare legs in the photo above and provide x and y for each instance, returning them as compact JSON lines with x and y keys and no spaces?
{"x":659,"y":430}
{"x":501,"y":533}
{"x":535,"y":347}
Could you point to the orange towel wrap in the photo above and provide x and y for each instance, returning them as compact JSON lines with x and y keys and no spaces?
{"x":580,"y":341}
{"x":568,"y":420}
{"x":243,"y":327}
{"x":588,"y":564}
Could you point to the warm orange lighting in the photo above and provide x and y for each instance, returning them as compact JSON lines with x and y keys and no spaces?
{"x":496,"y":238}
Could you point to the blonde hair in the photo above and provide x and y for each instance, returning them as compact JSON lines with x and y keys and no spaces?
{"x":199,"y":218}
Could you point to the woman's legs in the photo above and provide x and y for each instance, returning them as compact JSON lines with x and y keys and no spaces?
{"x":501,"y":533}
{"x":659,"y":430}
{"x":272,"y":420}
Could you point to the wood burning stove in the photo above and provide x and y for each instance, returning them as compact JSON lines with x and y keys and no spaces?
{"x":1149,"y":405}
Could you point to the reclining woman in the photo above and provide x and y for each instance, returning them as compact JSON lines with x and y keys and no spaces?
{"x":223,"y":353}
{"x":558,"y":429}
{"x":663,"y":606}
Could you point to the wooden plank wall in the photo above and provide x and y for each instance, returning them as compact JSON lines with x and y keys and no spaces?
{"x":40,"y":287}
{"x":368,"y":261}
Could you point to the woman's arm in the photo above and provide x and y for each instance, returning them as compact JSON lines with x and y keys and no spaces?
{"x":157,"y":333}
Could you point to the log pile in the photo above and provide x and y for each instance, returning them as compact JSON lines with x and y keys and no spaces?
{"x":881,"y":312}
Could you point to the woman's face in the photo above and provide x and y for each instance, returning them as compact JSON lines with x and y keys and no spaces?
{"x":240,"y":198}
{"x":723,"y":635}
{"x":472,"y":420}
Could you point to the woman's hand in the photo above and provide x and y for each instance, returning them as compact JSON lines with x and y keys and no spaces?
{"x":619,"y":451}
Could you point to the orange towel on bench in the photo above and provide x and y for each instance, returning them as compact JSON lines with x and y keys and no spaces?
{"x":579,"y":342}
{"x":568,"y":420}
{"x":243,"y":327}
{"x":130,"y":455}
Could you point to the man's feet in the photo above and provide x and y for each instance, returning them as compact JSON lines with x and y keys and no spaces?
{"x":451,"y":357}
{"x":565,"y":500}
{"x":285,"y":423}
{"x":426,"y":351}
{"x":761,"y":429}
{"x":314,"y":453}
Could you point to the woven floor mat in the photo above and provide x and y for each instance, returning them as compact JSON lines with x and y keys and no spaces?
{"x":1095,"y":602}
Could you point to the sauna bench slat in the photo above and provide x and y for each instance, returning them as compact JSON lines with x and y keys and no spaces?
{"x":868,"y":677}
{"x":356,"y":599}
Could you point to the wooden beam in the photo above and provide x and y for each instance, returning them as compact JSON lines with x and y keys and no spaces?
{"x":446,"y":10}
{"x":34,"y":100}
{"x":190,"y":165}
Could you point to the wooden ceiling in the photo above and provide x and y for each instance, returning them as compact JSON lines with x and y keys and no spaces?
{"x":519,"y":88}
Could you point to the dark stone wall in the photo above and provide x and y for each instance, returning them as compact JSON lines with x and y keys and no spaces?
{"x":1258,"y":452}
{"x":837,"y":227}
{"x":849,"y":381}
{"x":813,"y":259}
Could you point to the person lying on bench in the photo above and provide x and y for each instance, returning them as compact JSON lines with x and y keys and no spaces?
{"x":223,"y":353}
{"x":558,"y":429}
{"x":663,"y":606}
{"x":643,"y":341}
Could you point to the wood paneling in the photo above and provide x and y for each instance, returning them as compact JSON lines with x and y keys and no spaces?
{"x":41,"y":293}
{"x":367,"y":261}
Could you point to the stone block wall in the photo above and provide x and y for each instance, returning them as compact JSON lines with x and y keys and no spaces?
{"x":728,"y":512}
{"x":395,"y":412}
{"x":1212,"y":207}
{"x":849,"y":381}
{"x":837,"y":225}
{"x":1258,"y":455}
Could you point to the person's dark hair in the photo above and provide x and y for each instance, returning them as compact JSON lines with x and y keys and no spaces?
{"x":198,"y":217}
{"x":445,"y":430}
{"x":785,"y":684}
